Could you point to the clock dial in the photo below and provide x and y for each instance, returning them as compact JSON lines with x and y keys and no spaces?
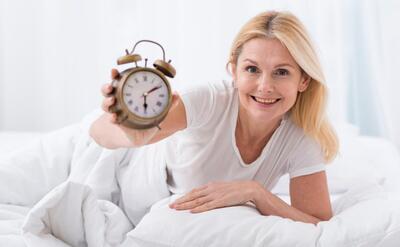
{"x":145,"y":94}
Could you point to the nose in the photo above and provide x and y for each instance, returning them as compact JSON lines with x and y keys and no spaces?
{"x":266,"y":84}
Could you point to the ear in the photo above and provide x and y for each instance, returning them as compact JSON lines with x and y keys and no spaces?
{"x":305,"y":81}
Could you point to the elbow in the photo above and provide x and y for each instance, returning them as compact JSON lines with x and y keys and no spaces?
{"x":326,"y":216}
{"x":321,"y":219}
{"x":94,"y":135}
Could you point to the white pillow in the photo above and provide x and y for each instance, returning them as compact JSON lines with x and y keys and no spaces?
{"x":364,"y":158}
{"x":231,"y":226}
{"x":364,"y":214}
{"x":360,"y":159}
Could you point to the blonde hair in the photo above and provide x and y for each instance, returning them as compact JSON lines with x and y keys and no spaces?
{"x":308,"y":111}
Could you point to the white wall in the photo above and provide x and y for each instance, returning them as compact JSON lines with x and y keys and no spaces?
{"x":55,"y":55}
{"x":2,"y":58}
{"x":389,"y":84}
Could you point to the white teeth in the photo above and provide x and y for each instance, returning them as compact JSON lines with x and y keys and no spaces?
{"x":265,"y":101}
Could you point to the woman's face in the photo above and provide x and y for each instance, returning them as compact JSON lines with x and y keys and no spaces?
{"x":268,"y":79}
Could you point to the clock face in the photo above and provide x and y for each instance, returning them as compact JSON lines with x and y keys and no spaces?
{"x":145,"y":94}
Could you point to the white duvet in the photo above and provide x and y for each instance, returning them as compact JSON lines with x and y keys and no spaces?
{"x":65,"y":190}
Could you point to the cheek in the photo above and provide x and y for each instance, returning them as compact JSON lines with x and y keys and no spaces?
{"x":245,"y":83}
{"x":290,"y":96}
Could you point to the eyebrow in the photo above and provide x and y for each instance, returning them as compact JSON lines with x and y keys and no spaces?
{"x":278,"y":65}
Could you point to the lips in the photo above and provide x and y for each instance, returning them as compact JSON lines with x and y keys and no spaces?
{"x":265,"y":101}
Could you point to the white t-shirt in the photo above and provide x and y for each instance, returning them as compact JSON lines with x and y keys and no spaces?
{"x":206,"y":150}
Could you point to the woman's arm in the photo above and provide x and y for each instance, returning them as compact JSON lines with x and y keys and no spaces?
{"x":111,"y":135}
{"x":309,"y":200}
{"x":309,"y":195}
{"x":107,"y":134}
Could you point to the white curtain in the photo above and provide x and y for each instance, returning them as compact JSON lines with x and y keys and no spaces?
{"x":55,"y":55}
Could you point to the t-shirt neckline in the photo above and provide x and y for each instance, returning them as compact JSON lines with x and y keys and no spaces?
{"x":234,"y":118}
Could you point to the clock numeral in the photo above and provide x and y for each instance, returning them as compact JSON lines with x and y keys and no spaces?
{"x":130,"y":102}
{"x":159,"y":104}
{"x":161,"y":95}
{"x":136,"y":109}
{"x":136,"y":80}
{"x":128,"y":94}
{"x":145,"y":78}
{"x":153,"y":80}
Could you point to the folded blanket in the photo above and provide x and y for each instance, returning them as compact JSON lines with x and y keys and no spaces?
{"x":81,"y":194}
{"x":72,"y":215}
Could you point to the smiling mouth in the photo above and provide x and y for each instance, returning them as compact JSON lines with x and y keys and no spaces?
{"x":264,"y":101}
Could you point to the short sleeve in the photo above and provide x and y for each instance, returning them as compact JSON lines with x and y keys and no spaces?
{"x":306,"y":158}
{"x":199,"y":103}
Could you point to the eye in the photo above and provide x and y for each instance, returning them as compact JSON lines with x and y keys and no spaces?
{"x":251,"y":69}
{"x":281,"y":72}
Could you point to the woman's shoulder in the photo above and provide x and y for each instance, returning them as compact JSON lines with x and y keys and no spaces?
{"x":213,"y":87}
{"x":297,"y":137}
{"x":305,"y":154}
{"x":206,"y":101}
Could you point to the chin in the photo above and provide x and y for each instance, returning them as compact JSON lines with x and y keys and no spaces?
{"x":263,"y":115}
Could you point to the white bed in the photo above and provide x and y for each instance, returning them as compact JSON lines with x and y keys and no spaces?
{"x":38,"y":209}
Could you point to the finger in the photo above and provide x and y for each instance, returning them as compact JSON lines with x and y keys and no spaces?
{"x":114,"y":73}
{"x":205,"y":207}
{"x":193,"y":204}
{"x":195,"y":193}
{"x":106,"y":89}
{"x":107,"y":103}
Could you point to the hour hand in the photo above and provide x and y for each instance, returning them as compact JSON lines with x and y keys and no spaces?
{"x":145,"y":103}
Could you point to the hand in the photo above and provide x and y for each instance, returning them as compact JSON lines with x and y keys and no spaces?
{"x":217,"y":195}
{"x":135,"y":137}
{"x":109,"y":99}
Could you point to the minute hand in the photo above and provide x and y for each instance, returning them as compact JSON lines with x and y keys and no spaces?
{"x":152,"y":90}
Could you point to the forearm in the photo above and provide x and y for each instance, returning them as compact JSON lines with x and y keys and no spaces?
{"x":108,"y":135}
{"x":270,"y":204}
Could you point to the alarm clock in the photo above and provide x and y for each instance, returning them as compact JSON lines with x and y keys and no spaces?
{"x":142,"y":94}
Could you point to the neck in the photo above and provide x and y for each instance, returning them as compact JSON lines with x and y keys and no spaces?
{"x":254,"y":131}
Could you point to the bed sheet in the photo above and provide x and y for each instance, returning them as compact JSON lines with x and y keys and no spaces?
{"x":33,"y":210}
{"x":10,"y":141}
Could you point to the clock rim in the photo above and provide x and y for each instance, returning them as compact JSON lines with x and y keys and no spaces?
{"x":133,"y":118}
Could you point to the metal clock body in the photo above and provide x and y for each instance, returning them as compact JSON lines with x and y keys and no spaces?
{"x":143,"y":95}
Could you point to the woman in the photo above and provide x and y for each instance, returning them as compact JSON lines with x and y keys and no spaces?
{"x":229,"y":143}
